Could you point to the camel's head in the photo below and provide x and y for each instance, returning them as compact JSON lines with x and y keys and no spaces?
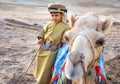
{"x":88,"y":30}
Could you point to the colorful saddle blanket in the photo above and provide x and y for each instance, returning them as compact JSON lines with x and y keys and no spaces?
{"x":59,"y":62}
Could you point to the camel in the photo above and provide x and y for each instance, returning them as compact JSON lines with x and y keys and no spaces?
{"x":86,"y":40}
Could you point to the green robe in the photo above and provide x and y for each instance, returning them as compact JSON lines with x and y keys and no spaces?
{"x":53,"y":33}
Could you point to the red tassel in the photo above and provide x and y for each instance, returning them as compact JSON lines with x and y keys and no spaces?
{"x":97,"y":69}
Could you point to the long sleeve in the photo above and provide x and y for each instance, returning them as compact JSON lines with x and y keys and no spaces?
{"x":41,"y":34}
{"x":43,"y":31}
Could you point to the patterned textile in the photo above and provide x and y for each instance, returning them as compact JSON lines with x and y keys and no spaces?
{"x":59,"y":62}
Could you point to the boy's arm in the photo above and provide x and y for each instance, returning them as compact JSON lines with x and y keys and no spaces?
{"x":41,"y":34}
{"x":43,"y":31}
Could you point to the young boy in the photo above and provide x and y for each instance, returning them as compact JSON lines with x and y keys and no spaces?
{"x":49,"y":38}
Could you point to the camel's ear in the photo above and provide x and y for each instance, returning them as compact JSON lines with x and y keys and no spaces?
{"x":107,"y":23}
{"x":71,"y":20}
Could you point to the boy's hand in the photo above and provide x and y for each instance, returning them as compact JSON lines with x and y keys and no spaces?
{"x":40,"y":41}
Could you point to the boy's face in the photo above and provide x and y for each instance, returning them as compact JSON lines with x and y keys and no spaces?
{"x":56,"y":16}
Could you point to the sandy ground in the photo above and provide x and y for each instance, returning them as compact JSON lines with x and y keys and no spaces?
{"x":19,"y":26}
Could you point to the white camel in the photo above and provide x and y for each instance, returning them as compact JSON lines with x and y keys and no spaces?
{"x":86,"y":39}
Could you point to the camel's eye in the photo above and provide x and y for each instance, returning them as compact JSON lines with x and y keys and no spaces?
{"x":100,"y":42}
